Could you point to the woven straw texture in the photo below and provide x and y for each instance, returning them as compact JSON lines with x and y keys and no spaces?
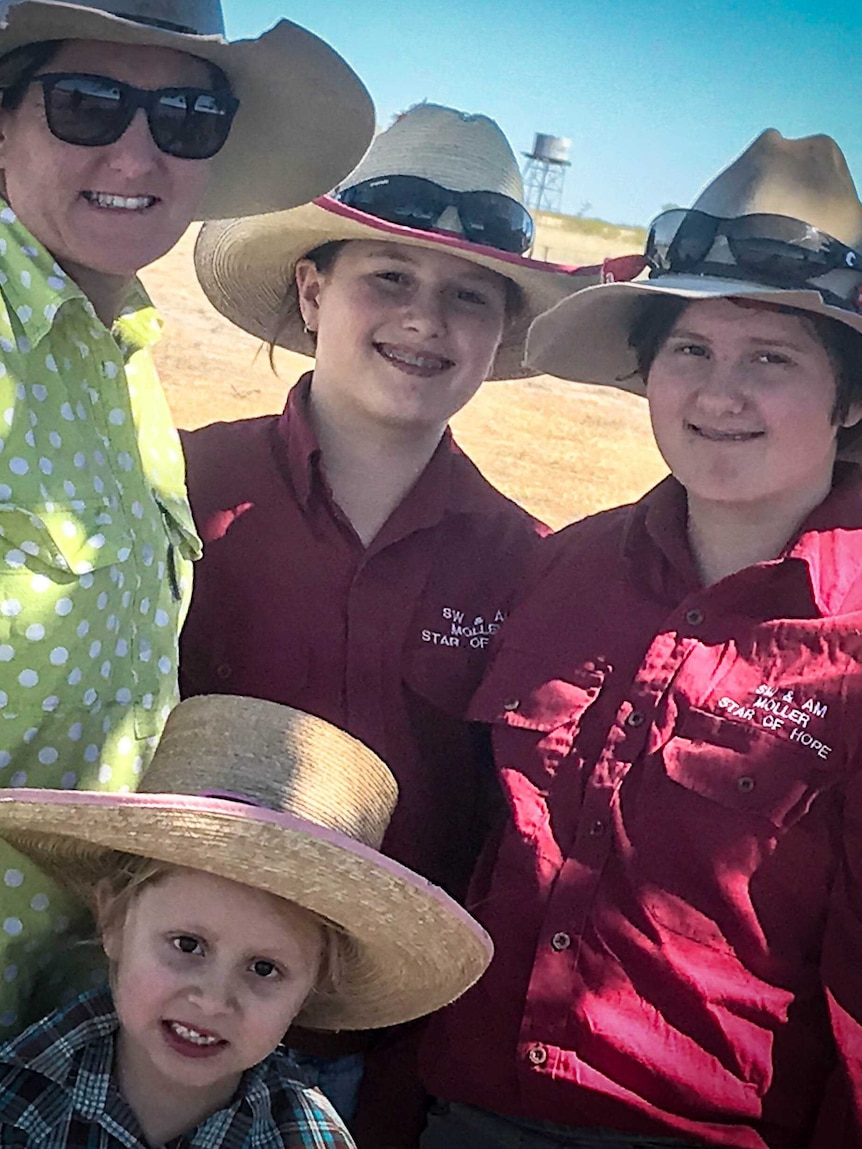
{"x":327,"y":802}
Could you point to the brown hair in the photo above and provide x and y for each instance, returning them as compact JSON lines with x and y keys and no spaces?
{"x":657,"y":318}
{"x":114,"y":895}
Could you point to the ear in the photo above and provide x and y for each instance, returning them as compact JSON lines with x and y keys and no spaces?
{"x":308,"y":285}
{"x":853,"y":415}
{"x":109,"y":920}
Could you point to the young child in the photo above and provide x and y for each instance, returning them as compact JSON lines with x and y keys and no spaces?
{"x":238,"y":890}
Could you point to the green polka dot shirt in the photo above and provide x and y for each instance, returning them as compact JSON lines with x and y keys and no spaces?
{"x":96,"y":543}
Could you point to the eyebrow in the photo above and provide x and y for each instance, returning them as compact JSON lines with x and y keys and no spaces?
{"x":754,"y":340}
{"x":470,"y":270}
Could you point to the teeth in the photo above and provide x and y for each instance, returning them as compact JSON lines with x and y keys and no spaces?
{"x":192,"y":1035}
{"x":120,"y":202}
{"x":426,"y":362}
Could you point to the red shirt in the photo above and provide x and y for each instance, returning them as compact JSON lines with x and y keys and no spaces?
{"x":676,"y":900}
{"x":387,"y":642}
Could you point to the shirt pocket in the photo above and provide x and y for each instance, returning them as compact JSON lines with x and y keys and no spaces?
{"x":60,"y":540}
{"x":745,"y":770}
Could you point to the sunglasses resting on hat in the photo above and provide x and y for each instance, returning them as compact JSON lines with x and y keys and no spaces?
{"x":93,"y":111}
{"x":487,"y":218}
{"x":773,"y":249}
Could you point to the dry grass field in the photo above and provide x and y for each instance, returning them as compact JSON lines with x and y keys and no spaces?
{"x":562,"y":449}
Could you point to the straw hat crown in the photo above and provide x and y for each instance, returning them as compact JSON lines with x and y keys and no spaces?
{"x":806,"y":179}
{"x":200,"y":17}
{"x":275,"y":757}
{"x":457,"y":150}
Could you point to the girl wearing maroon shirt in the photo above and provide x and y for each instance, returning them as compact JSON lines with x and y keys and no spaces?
{"x":356,"y":564}
{"x":675,"y":899}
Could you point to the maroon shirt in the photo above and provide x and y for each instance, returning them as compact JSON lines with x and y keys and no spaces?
{"x":676,"y":901}
{"x":387,"y":642}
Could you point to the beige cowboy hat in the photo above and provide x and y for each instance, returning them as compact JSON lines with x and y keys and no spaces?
{"x":284,"y":802}
{"x":805,"y":181}
{"x":246,"y":267}
{"x":304,"y":117}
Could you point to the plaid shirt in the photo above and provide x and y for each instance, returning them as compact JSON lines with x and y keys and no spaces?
{"x":57,"y":1092}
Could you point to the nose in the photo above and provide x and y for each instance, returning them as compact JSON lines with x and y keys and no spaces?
{"x":723,"y":389}
{"x":213,"y":992}
{"x":135,"y":152}
{"x":425,"y":313}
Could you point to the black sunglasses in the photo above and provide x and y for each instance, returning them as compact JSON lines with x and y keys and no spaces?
{"x":488,"y":218}
{"x":92,"y":111}
{"x":774,"y":249}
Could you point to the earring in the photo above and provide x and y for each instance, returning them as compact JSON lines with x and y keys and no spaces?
{"x":308,"y":330}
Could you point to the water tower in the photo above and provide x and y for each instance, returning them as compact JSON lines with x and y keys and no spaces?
{"x":545,"y":172}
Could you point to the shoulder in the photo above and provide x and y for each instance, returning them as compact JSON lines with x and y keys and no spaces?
{"x":475,"y":496}
{"x":225,"y":461}
{"x":303,"y":1115}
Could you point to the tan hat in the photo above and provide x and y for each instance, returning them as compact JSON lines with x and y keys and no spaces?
{"x":246,"y":267}
{"x":284,"y":802}
{"x":304,"y":117}
{"x":586,"y":337}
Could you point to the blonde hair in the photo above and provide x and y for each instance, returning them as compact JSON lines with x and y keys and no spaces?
{"x":114,"y":894}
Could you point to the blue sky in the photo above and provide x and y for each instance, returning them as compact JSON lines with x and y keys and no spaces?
{"x":656,"y":95}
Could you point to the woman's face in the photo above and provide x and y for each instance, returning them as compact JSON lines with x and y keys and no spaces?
{"x":405,"y":335}
{"x":741,"y":401}
{"x":112,"y":209}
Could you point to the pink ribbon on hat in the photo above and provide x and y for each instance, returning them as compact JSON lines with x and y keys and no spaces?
{"x":622,"y":268}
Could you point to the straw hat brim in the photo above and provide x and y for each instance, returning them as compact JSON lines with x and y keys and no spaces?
{"x":585,"y":337}
{"x":246,"y":268}
{"x":415,"y":949}
{"x":305,"y":118}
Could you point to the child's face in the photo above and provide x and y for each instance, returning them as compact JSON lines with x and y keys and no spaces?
{"x":208,"y":974}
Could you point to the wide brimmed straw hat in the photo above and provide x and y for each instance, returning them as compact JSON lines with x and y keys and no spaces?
{"x":284,"y":802}
{"x":246,"y":267}
{"x":304,"y":117}
{"x":586,"y":337}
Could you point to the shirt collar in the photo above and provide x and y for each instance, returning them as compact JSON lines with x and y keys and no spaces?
{"x":36,"y":287}
{"x":828,"y":544}
{"x":433,"y":495}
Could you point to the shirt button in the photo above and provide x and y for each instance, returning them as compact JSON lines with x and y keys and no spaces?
{"x":745,"y":784}
{"x":560,"y":942}
{"x":597,"y":828}
{"x":224,"y":670}
{"x":636,"y":718}
{"x":538,"y":1055}
{"x":694,"y":617}
{"x":511,"y":704}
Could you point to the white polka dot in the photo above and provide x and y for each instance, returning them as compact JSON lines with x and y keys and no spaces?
{"x":19,"y":778}
{"x":105,"y":669}
{"x":75,"y":732}
{"x":46,"y":466}
{"x":105,"y":773}
{"x":5,"y":758}
{"x":4,"y":699}
{"x":35,"y":632}
{"x":90,"y":697}
{"x":19,"y":466}
{"x":50,"y":704}
{"x":8,"y":1018}
{"x":39,"y":903}
{"x":13,"y":879}
{"x":5,"y":493}
{"x":28,"y":678}
{"x":40,"y":583}
{"x":95,"y":649}
{"x":59,"y":656}
{"x":30,"y":734}
{"x":15,"y":559}
{"x":75,"y":676}
{"x":124,"y":695}
{"x":83,"y":628}
{"x":13,"y":927}
{"x":69,"y":780}
{"x":48,"y":755}
{"x":117,"y":417}
{"x":10,"y":973}
{"x":7,"y":653}
{"x":164,"y":665}
{"x":161,"y":618}
{"x":10,"y":608}
{"x":63,"y":606}
{"x":91,"y":753}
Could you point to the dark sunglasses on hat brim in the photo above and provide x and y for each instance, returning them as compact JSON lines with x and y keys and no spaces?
{"x":92,"y":111}
{"x":773,"y":249}
{"x":487,"y":218}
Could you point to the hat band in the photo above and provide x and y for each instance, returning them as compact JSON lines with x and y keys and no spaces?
{"x":165,"y":25}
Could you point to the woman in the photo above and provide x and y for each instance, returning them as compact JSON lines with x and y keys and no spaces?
{"x":116,"y":131}
{"x":356,"y":563}
{"x":674,"y":709}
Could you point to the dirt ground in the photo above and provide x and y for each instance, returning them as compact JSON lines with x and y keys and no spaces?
{"x":563,"y":450}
